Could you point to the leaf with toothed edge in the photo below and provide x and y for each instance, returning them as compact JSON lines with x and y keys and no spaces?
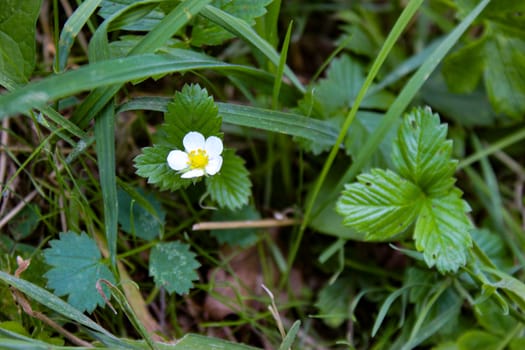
{"x":381,"y":204}
{"x":173,"y":267}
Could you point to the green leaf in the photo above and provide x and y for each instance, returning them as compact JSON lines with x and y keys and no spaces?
{"x":236,"y":237}
{"x":153,"y":165}
{"x":230,"y":188}
{"x":206,"y":32}
{"x":17,"y":38}
{"x":25,"y":222}
{"x":479,"y":340}
{"x":290,"y":336}
{"x":333,"y":302}
{"x":463,"y":68}
{"x":76,"y":267}
{"x":422,"y":153}
{"x":512,"y":286}
{"x":341,"y":86}
{"x":173,"y":267}
{"x":491,"y":317}
{"x":191,"y":110}
{"x":135,"y":219}
{"x":364,"y":125}
{"x":442,"y":231}
{"x":381,"y":204}
{"x":505,"y":74}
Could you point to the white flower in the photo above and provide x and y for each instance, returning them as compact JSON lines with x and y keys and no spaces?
{"x":202,"y":156}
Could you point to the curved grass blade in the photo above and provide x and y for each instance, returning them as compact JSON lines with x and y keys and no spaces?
{"x":56,"y":304}
{"x":115,"y":71}
{"x":155,"y":39}
{"x":71,"y":29}
{"x":244,"y":31}
{"x":253,"y":117}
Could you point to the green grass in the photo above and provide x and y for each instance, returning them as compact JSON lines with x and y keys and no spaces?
{"x":98,"y":120}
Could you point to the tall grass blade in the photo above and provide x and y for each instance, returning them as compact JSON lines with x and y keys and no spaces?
{"x":244,"y":31}
{"x":71,"y":29}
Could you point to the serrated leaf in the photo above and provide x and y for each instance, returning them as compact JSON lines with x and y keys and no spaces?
{"x":17,"y":38}
{"x":230,"y":188}
{"x":191,"y":110}
{"x":381,"y":204}
{"x":442,"y":231}
{"x":153,"y":165}
{"x":135,"y":219}
{"x":422,"y":153}
{"x":207,"y":33}
{"x":173,"y":267}
{"x":76,"y":267}
{"x":236,"y":237}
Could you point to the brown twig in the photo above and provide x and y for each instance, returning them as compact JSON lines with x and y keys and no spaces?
{"x":226,"y":225}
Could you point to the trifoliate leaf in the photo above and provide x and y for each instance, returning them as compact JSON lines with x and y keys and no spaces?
{"x":191,"y":110}
{"x":76,"y":267}
{"x":134,"y":216}
{"x":422,"y":153}
{"x":230,"y":188}
{"x":173,"y":267}
{"x":442,"y":231}
{"x":381,"y":204}
{"x":153,"y":165}
{"x":236,"y":237}
{"x":208,"y":33}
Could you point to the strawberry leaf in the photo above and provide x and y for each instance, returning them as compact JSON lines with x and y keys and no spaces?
{"x":173,"y":267}
{"x":381,"y":204}
{"x":230,"y":188}
{"x":422,"y":154}
{"x":76,"y":267}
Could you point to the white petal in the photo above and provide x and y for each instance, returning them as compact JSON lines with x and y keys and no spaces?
{"x":192,"y":173}
{"x":214,"y":165}
{"x":178,"y":160}
{"x":213,"y":146}
{"x":193,"y":141}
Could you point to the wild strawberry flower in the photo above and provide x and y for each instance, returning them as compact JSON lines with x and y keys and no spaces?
{"x":201,"y":156}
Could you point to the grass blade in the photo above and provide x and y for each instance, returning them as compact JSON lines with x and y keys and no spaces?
{"x":71,"y":29}
{"x":244,"y":31}
{"x":115,"y":71}
{"x":409,"y":91}
{"x":105,"y":148}
{"x":253,"y":117}
{"x":155,"y":39}
{"x":54,"y":303}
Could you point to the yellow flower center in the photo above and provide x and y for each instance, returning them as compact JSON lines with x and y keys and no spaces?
{"x":198,"y":159}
